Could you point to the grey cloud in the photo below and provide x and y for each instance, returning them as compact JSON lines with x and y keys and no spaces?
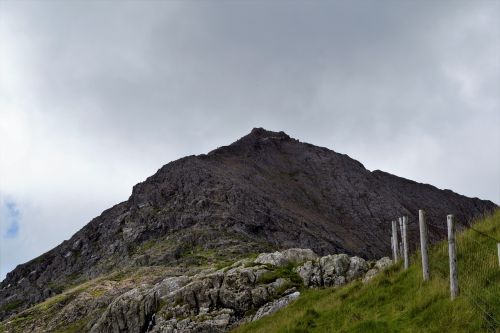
{"x":408,"y":87}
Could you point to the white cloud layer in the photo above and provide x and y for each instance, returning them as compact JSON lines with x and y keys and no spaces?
{"x":95,"y":96}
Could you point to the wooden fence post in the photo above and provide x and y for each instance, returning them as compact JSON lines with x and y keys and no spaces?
{"x":400,"y":220}
{"x":452,"y":249}
{"x":392,"y":247}
{"x":423,"y":244}
{"x":498,"y":246}
{"x":394,"y":242}
{"x":405,"y":242}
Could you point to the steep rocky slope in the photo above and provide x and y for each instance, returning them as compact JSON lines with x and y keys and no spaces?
{"x":207,"y":301}
{"x":264,"y":191}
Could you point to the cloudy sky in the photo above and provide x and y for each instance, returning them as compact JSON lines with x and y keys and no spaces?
{"x":96,"y":96}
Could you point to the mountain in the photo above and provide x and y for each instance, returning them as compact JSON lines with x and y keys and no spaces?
{"x":265,"y":191}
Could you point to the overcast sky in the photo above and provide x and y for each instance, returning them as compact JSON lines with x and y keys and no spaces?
{"x":96,"y":96}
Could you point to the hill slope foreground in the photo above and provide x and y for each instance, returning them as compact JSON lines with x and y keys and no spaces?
{"x":399,"y":301}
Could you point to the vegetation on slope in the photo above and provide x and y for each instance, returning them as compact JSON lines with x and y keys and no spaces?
{"x":395,"y":301}
{"x":78,"y":307}
{"x":75,"y":307}
{"x":399,"y":301}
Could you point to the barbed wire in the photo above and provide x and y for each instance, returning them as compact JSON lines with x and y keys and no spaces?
{"x":477,"y":272}
{"x":464,"y":225}
{"x":437,"y":226}
{"x":470,"y":227}
{"x":492,"y":327}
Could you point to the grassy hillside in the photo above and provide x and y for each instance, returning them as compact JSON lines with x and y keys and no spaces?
{"x":395,"y":301}
{"x":398,"y":301}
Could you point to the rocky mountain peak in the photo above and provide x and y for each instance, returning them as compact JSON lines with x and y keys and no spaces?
{"x":255,"y":140}
{"x":266,"y":191}
{"x":262,"y":134}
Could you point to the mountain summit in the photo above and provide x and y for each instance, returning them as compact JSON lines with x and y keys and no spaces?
{"x":265,"y":191}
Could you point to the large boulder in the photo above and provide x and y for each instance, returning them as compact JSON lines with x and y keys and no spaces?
{"x":357,"y":268}
{"x":383,"y":263}
{"x":334,"y":268}
{"x":283,"y":258}
{"x":310,"y":272}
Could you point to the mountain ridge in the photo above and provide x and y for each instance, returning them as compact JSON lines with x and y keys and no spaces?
{"x":263,"y":191}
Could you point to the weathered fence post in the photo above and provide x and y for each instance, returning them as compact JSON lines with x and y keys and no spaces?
{"x":423,"y":244}
{"x":405,"y":242}
{"x":452,"y":249}
{"x":400,"y":220}
{"x":394,"y":242}
{"x":392,"y":247}
{"x":498,"y":246}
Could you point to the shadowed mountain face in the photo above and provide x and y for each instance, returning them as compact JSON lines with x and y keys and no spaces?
{"x":264,"y":191}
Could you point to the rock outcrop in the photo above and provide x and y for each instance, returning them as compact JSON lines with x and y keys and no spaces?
{"x":275,"y":306}
{"x":130,"y":312}
{"x":283,"y":258}
{"x":218,"y":300}
{"x":339,"y":269}
{"x":264,"y":192}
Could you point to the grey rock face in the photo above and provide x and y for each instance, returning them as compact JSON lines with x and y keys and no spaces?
{"x":334,"y":269}
{"x":339,"y":269}
{"x":130,"y":312}
{"x":283,"y":258}
{"x":383,"y":263}
{"x":357,"y":268}
{"x":311,"y":274}
{"x":264,"y":191}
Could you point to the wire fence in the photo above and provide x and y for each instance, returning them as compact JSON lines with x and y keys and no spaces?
{"x":477,"y":266}
{"x":479,"y":274}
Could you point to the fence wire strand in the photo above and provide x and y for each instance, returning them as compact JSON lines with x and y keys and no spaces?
{"x":479,"y":274}
{"x":478,"y":268}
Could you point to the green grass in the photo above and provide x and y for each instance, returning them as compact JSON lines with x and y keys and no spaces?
{"x":395,"y":301}
{"x":399,"y":301}
{"x":286,"y":272}
{"x":11,"y":306}
{"x":78,"y":326}
{"x":41,"y":313}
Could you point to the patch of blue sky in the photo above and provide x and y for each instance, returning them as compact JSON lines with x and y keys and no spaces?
{"x":10,"y":218}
